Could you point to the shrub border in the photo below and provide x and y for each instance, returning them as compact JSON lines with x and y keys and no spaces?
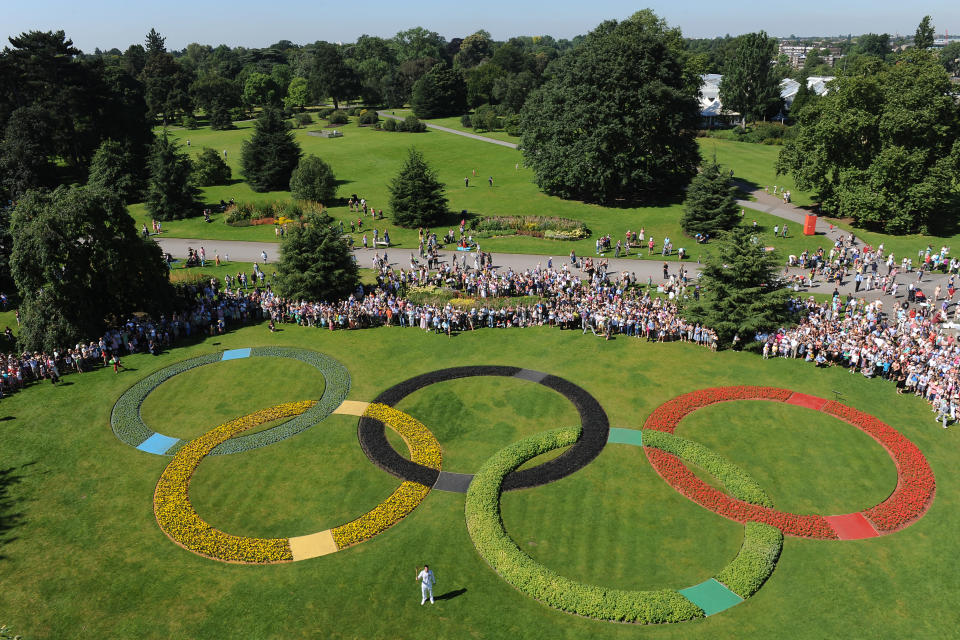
{"x":596,"y":428}
{"x":129,"y":427}
{"x":746,"y":573}
{"x":907,"y":503}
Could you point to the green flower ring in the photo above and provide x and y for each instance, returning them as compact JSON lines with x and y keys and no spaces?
{"x":182,"y":524}
{"x":740,"y":579}
{"x":128,"y":425}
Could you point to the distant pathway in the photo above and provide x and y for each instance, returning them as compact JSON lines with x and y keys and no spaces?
{"x":454,"y":131}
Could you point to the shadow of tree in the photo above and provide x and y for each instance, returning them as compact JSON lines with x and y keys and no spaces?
{"x":10,"y":517}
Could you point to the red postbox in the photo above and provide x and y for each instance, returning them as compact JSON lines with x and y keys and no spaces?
{"x":810,"y":225}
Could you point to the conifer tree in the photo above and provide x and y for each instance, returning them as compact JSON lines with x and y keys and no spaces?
{"x":270,"y":156}
{"x":416,"y":196}
{"x":171,"y":192}
{"x":711,"y":203}
{"x":315,"y":262}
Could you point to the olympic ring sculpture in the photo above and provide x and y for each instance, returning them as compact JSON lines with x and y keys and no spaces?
{"x":764,"y":526}
{"x":908,"y":502}
{"x":129,"y":427}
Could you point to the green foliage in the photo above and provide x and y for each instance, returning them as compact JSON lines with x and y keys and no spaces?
{"x":338,"y":117}
{"x":329,"y":76}
{"x":742,"y":293}
{"x":389,"y":124}
{"x":440,"y":92}
{"x":538,"y":226}
{"x":711,"y":203}
{"x":298,"y":93}
{"x":303,"y":119}
{"x":494,"y":545}
{"x":950,"y":58}
{"x":313,"y":179}
{"x":750,"y":84}
{"x":883,"y":147}
{"x":416,"y":195}
{"x":738,"y":483}
{"x":923,"y":38}
{"x":77,"y":261}
{"x":756,"y":561}
{"x":189,"y":121}
{"x":369,"y":116}
{"x":261,"y":89}
{"x":466,"y":120}
{"x":485,"y":119}
{"x":209,"y":168}
{"x":171,"y":192}
{"x":270,"y":156}
{"x":616,"y":120}
{"x":315,"y":262}
{"x":220,"y":119}
{"x":25,"y":152}
{"x":411,"y":124}
{"x":116,"y":167}
{"x":874,"y":44}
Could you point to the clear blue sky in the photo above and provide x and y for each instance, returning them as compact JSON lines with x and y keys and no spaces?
{"x":256,"y":23}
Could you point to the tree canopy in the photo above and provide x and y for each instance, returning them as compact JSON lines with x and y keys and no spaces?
{"x":750,"y":84}
{"x":616,"y":120}
{"x":313,"y":179}
{"x":315,"y":262}
{"x":271,"y":154}
{"x":78,"y":261}
{"x":417,"y":197}
{"x":882,"y":147}
{"x":741,"y":291}
{"x":440,"y":92}
{"x":171,"y":191}
{"x":711,"y":203}
{"x":117,"y":167}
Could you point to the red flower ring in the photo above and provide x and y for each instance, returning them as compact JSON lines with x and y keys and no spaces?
{"x":908,"y":502}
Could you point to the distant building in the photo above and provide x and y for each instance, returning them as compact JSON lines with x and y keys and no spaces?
{"x":797,"y":53}
{"x":713,"y":114}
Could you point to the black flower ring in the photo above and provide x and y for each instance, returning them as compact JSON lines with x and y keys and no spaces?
{"x":593,"y":420}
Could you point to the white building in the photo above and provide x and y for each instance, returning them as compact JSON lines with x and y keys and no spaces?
{"x":713,"y":113}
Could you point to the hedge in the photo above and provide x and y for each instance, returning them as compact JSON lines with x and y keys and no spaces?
{"x":528,"y":576}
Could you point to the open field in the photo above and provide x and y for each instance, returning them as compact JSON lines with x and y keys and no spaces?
{"x":81,"y":552}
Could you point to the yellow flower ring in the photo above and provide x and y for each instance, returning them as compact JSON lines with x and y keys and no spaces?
{"x":180,"y":521}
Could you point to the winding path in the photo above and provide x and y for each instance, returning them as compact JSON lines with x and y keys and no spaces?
{"x":465,"y":134}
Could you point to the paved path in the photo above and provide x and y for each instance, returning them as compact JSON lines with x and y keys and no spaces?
{"x":241,"y":251}
{"x":465,"y":134}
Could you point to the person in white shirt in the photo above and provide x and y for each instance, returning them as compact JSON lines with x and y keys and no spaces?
{"x":427,"y":580}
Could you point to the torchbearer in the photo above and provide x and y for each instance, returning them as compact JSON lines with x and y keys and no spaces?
{"x":427,"y":580}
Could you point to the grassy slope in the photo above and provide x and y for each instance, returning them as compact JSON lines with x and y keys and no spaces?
{"x":85,"y":552}
{"x":366,"y":160}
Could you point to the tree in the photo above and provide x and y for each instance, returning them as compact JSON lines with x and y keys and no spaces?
{"x":171,"y":192}
{"x":417,"y":198}
{"x":711,"y":203}
{"x":742,"y":293}
{"x":261,"y":89}
{"x":441,"y":92}
{"x":210,"y":169}
{"x":923,"y":39}
{"x":315,"y":262}
{"x":418,"y":43}
{"x":882,"y":148}
{"x":116,"y":167}
{"x":78,"y":261}
{"x":298,"y":93}
{"x":330,"y":76}
{"x":874,"y":44}
{"x":803,"y":98}
{"x":750,"y":85}
{"x":616,"y":120}
{"x":313,"y":179}
{"x":950,"y":58}
{"x":474,"y":49}
{"x":25,"y":152}
{"x":270,"y":156}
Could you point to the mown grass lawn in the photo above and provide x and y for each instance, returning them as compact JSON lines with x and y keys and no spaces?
{"x":81,"y":553}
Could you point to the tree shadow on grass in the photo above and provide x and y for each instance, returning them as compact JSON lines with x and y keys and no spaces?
{"x":10,"y":517}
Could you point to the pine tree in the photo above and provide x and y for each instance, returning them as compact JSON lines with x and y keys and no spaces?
{"x":315,"y":262}
{"x":416,"y":196}
{"x":313,"y":179}
{"x":117,"y":168}
{"x":742,"y":293}
{"x":711,"y":203}
{"x":171,"y":193}
{"x":270,"y":156}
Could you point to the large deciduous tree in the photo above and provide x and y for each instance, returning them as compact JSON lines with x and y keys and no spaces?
{"x":741,"y":291}
{"x":750,"y":84}
{"x":417,"y":198}
{"x":617,"y":118}
{"x":171,"y":192}
{"x":330,"y":76}
{"x":78,"y":261}
{"x":883,"y":147}
{"x":315,"y":262}
{"x":441,"y":92}
{"x":271,"y":155}
{"x":711,"y":203}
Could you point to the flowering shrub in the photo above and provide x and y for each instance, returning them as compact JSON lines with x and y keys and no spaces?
{"x":915,"y":480}
{"x":424,"y":449}
{"x":177,"y":517}
{"x":756,"y":560}
{"x":537,"y":226}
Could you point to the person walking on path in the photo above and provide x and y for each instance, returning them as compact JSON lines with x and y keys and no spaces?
{"x":490,"y":180}
{"x":427,"y":580}
{"x":263,"y":254}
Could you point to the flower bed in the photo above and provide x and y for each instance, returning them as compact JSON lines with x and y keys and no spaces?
{"x":424,"y":450}
{"x":180,"y":521}
{"x":909,"y":501}
{"x":550,"y":227}
{"x":754,"y":563}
